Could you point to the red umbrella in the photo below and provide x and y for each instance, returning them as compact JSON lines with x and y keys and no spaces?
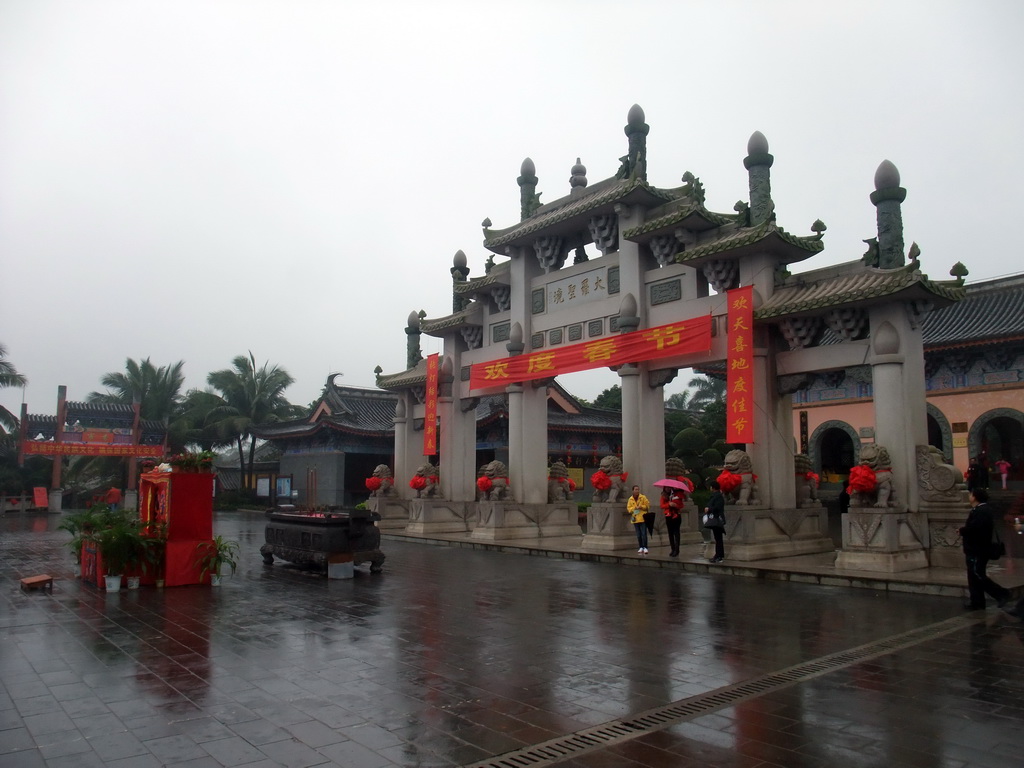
{"x":670,"y":482}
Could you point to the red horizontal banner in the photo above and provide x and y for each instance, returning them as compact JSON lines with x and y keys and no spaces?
{"x":680,"y":338}
{"x":84,"y":449}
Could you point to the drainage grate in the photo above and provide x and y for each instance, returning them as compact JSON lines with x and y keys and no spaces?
{"x":575,"y":744}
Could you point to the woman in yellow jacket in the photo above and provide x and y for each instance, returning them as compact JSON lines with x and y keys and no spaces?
{"x":637,"y":506}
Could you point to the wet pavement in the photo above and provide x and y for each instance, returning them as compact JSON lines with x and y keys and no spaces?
{"x":459,"y":656}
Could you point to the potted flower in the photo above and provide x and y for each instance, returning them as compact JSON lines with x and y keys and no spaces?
{"x":204,"y":461}
{"x":154,"y":552}
{"x":214,"y":555}
{"x":120,"y":545}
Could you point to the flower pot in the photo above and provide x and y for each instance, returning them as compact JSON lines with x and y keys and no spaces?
{"x":159,"y":583}
{"x":113,"y":582}
{"x":133,"y":582}
{"x":214,"y":579}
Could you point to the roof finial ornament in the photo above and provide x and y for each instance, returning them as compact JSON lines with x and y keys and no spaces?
{"x":634,"y":163}
{"x":529,"y":200}
{"x":887,"y":199}
{"x":578,"y":176}
{"x":460,"y":273}
{"x":758,"y":163}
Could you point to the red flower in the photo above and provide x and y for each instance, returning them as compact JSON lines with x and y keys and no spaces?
{"x":373,"y":483}
{"x":484,"y":484}
{"x":418,"y":483}
{"x":862,"y":480}
{"x":600,"y":480}
{"x":728,"y":481}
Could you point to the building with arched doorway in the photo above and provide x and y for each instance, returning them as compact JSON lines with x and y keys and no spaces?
{"x":974,"y":376}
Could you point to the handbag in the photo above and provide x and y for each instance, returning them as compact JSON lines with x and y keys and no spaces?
{"x":996,"y":547}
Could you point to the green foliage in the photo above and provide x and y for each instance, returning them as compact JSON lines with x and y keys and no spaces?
{"x":610,"y":399}
{"x":712,"y":457}
{"x":689,"y":441}
{"x":9,"y":377}
{"x":362,"y":505}
{"x":214,"y":555}
{"x":712,"y":421}
{"x":120,"y":542}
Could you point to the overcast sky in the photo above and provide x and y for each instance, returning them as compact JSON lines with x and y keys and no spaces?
{"x":192,"y":180}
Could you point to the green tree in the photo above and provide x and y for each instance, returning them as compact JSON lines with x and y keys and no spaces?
{"x":158,"y":390}
{"x":9,"y":377}
{"x":705,"y":390}
{"x":610,"y":399}
{"x":251,"y":396}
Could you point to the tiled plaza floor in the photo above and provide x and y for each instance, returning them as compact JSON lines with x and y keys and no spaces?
{"x":453,"y":656}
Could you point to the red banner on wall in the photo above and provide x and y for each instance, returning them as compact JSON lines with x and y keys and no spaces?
{"x":84,"y":449}
{"x":680,"y":338}
{"x":430,"y":415}
{"x":739,"y":425}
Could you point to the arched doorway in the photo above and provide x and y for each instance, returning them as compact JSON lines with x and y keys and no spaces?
{"x":999,"y":434}
{"x":940,"y":435}
{"x":834,"y":448}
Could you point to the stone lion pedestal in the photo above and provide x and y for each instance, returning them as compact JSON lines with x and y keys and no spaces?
{"x":432,"y":516}
{"x":393,"y":511}
{"x":608,"y":527}
{"x":761,"y":533}
{"x":889,"y":540}
{"x":497,"y":520}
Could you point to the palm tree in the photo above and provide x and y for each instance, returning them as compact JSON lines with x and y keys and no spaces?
{"x":706,"y":390}
{"x":9,"y":377}
{"x":251,"y":396}
{"x":157,"y":389}
{"x":198,"y":423}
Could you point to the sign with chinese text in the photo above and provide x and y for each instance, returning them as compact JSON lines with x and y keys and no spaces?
{"x":684,"y":337}
{"x":85,"y":449}
{"x":430,"y":415}
{"x":739,"y":424}
{"x":576,"y":290}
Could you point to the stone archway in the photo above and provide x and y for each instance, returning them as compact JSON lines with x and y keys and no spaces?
{"x":999,"y":433}
{"x":833,"y":445}
{"x":940,"y":434}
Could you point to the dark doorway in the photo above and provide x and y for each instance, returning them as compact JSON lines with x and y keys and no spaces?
{"x":836,"y":452}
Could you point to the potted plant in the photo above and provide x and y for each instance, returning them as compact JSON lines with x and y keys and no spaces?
{"x":214,"y":555}
{"x":120,"y":546}
{"x":154,"y":552}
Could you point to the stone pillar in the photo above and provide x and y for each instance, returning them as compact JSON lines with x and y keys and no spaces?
{"x":56,"y":496}
{"x":758,"y":163}
{"x":888,"y":198}
{"x":457,"y":438}
{"x":629,"y":378}
{"x":527,"y":443}
{"x":408,"y":451}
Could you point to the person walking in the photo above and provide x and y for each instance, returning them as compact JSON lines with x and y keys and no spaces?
{"x":672,"y":501}
{"x":1003,"y":467}
{"x":715,"y":514}
{"x":113,"y":498}
{"x":637,"y":505}
{"x":976,"y":534}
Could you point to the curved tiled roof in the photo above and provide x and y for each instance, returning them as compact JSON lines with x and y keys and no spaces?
{"x":864,"y":285}
{"x":415,"y":376}
{"x":798,"y":247}
{"x":500,"y":274}
{"x":353,"y":409}
{"x":601,"y":195}
{"x":990,"y":311}
{"x":471,"y":315}
{"x":673,"y":219}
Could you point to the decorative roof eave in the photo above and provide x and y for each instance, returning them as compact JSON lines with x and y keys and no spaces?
{"x":972,"y":343}
{"x":286,"y":430}
{"x":764,"y":237}
{"x":414,"y":377}
{"x":869,"y":286}
{"x":571,"y":213}
{"x":500,"y":274}
{"x":444,"y":326}
{"x":694,"y":217}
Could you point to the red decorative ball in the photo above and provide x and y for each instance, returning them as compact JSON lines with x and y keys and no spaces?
{"x":418,"y":483}
{"x":862,"y":479}
{"x":728,"y":481}
{"x":373,"y":483}
{"x":484,"y":484}
{"x":600,"y":480}
{"x":572,"y":484}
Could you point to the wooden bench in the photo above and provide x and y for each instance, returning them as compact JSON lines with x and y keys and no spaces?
{"x":32,"y":582}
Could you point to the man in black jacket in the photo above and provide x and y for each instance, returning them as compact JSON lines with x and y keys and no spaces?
{"x":976,"y":534}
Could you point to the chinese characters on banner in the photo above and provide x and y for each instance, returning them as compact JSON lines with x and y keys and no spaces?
{"x":430,"y":415}
{"x":739,"y":426}
{"x":85,"y":449}
{"x":684,"y":337}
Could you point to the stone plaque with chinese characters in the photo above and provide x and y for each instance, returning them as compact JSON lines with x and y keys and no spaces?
{"x":579,"y":289}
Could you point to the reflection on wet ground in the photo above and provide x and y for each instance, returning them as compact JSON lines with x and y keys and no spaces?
{"x":452,"y":656}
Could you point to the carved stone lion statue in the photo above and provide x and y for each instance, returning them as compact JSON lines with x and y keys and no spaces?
{"x":806,"y":481}
{"x":738,"y":463}
{"x":876,"y":458}
{"x":558,"y":483}
{"x":387,"y":481}
{"x":493,"y":483}
{"x":611,"y":466}
{"x":431,"y":487}
{"x":674,"y":467}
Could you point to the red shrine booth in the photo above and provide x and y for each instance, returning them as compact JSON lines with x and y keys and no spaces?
{"x":183,"y":502}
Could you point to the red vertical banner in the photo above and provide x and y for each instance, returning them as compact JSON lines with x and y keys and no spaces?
{"x":739,"y":422}
{"x":430,"y":415}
